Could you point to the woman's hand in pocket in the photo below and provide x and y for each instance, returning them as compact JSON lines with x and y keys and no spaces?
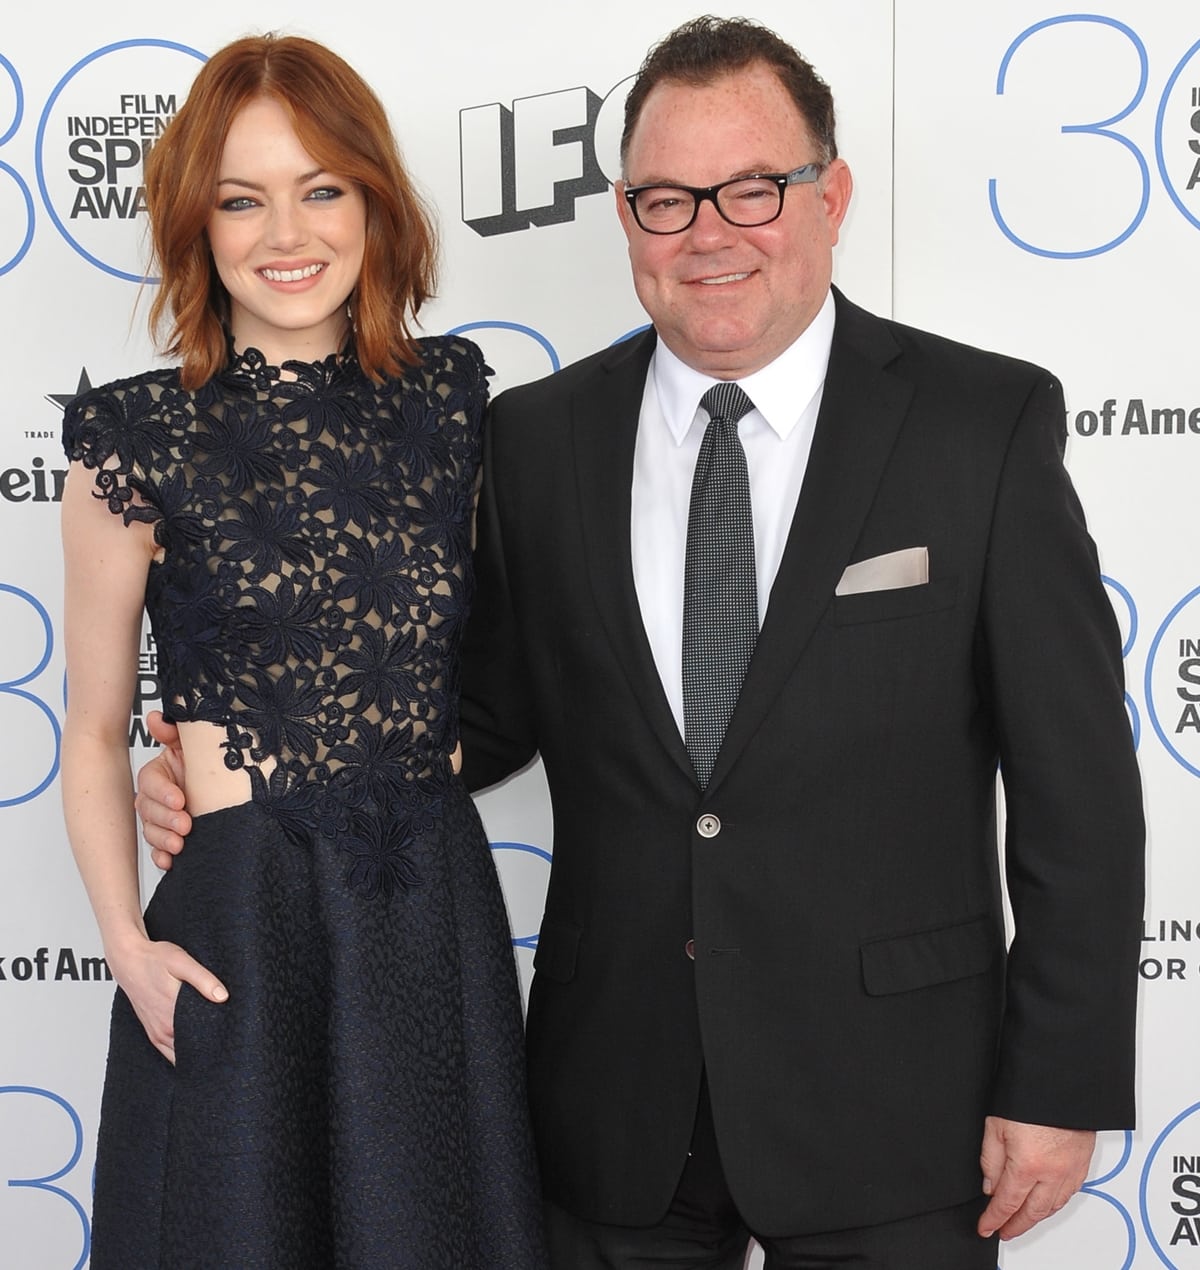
{"x":151,"y":972}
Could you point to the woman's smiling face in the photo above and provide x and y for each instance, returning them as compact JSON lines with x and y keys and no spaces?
{"x":287,"y":239}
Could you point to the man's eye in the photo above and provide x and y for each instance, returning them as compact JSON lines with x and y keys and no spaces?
{"x":751,"y":193}
{"x":662,"y":203}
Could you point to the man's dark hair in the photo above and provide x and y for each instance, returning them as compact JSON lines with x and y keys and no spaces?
{"x":707,"y":48}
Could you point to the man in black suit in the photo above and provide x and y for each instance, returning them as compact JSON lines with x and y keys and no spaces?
{"x":772,"y":995}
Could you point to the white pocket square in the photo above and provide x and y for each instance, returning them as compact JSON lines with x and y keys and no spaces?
{"x":908,"y":567}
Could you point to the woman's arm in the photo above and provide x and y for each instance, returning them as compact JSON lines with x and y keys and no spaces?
{"x":106,"y":567}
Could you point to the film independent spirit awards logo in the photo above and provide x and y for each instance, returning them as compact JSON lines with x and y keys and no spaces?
{"x":1170,"y":1191}
{"x":1173,"y":682}
{"x":1178,"y":136}
{"x":99,"y":123}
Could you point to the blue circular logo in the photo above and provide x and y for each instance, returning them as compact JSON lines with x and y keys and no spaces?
{"x":1173,"y":682}
{"x":92,"y":139}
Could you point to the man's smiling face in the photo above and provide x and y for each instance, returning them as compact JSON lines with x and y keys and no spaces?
{"x":728,"y":300}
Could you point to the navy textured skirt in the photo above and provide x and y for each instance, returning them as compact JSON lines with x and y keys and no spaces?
{"x":358,"y":1102}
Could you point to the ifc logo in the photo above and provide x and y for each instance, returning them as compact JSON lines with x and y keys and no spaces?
{"x":1173,"y":682}
{"x":1170,"y":1192}
{"x":97,"y":127}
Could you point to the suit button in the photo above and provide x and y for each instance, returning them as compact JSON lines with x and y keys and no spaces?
{"x":690,"y":949}
{"x":708,"y":826}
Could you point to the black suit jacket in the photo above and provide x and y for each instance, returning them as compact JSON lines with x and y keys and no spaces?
{"x":851,"y":996}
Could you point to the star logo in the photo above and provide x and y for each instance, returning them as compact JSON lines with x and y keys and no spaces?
{"x":63,"y":399}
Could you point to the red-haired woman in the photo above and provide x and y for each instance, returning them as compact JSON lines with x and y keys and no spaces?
{"x":316,"y":1054}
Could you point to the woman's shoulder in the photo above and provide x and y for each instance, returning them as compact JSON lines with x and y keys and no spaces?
{"x":163,"y":379}
{"x":451,"y":377}
{"x":452,"y":356}
{"x":123,"y":396}
{"x":96,"y":421}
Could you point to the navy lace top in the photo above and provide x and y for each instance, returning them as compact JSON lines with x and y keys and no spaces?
{"x":314,"y":575}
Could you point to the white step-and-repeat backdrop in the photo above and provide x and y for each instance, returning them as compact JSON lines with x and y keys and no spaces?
{"x":1028,"y":179}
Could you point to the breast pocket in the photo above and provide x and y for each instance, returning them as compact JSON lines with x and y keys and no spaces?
{"x":901,"y":602}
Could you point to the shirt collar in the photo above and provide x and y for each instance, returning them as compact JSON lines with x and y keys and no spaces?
{"x":781,"y":391}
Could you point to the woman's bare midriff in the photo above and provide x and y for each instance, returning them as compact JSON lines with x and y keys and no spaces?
{"x":209,"y":784}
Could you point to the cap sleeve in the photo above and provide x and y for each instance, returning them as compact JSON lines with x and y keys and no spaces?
{"x":120,"y":434}
{"x":465,"y":372}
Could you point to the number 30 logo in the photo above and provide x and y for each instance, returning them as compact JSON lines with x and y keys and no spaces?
{"x":1175,"y":118}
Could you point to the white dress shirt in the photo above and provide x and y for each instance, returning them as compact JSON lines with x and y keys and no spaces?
{"x":776,"y":435}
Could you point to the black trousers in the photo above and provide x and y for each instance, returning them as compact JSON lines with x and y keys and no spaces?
{"x":704,"y":1231}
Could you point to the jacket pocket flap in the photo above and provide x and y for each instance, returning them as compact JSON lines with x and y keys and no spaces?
{"x":557,"y":948}
{"x":927,"y":957}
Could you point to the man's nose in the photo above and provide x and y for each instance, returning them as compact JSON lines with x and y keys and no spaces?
{"x":710,"y":228}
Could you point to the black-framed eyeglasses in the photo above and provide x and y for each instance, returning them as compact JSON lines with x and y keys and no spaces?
{"x":744,"y":201}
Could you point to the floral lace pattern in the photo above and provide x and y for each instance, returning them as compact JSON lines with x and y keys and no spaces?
{"x":314,"y":579}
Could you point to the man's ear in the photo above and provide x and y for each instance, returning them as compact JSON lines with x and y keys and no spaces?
{"x":837,"y":185}
{"x":624,"y":213}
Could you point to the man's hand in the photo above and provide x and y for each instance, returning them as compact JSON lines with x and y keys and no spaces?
{"x":160,"y":799}
{"x":1030,"y":1171}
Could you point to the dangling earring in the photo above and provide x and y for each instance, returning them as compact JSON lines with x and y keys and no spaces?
{"x":353,"y":337}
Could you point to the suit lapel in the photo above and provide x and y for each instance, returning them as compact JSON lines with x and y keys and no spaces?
{"x":862,"y":409}
{"x":605,"y":414}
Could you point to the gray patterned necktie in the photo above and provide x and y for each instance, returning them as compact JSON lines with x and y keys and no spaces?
{"x":720,"y":595}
